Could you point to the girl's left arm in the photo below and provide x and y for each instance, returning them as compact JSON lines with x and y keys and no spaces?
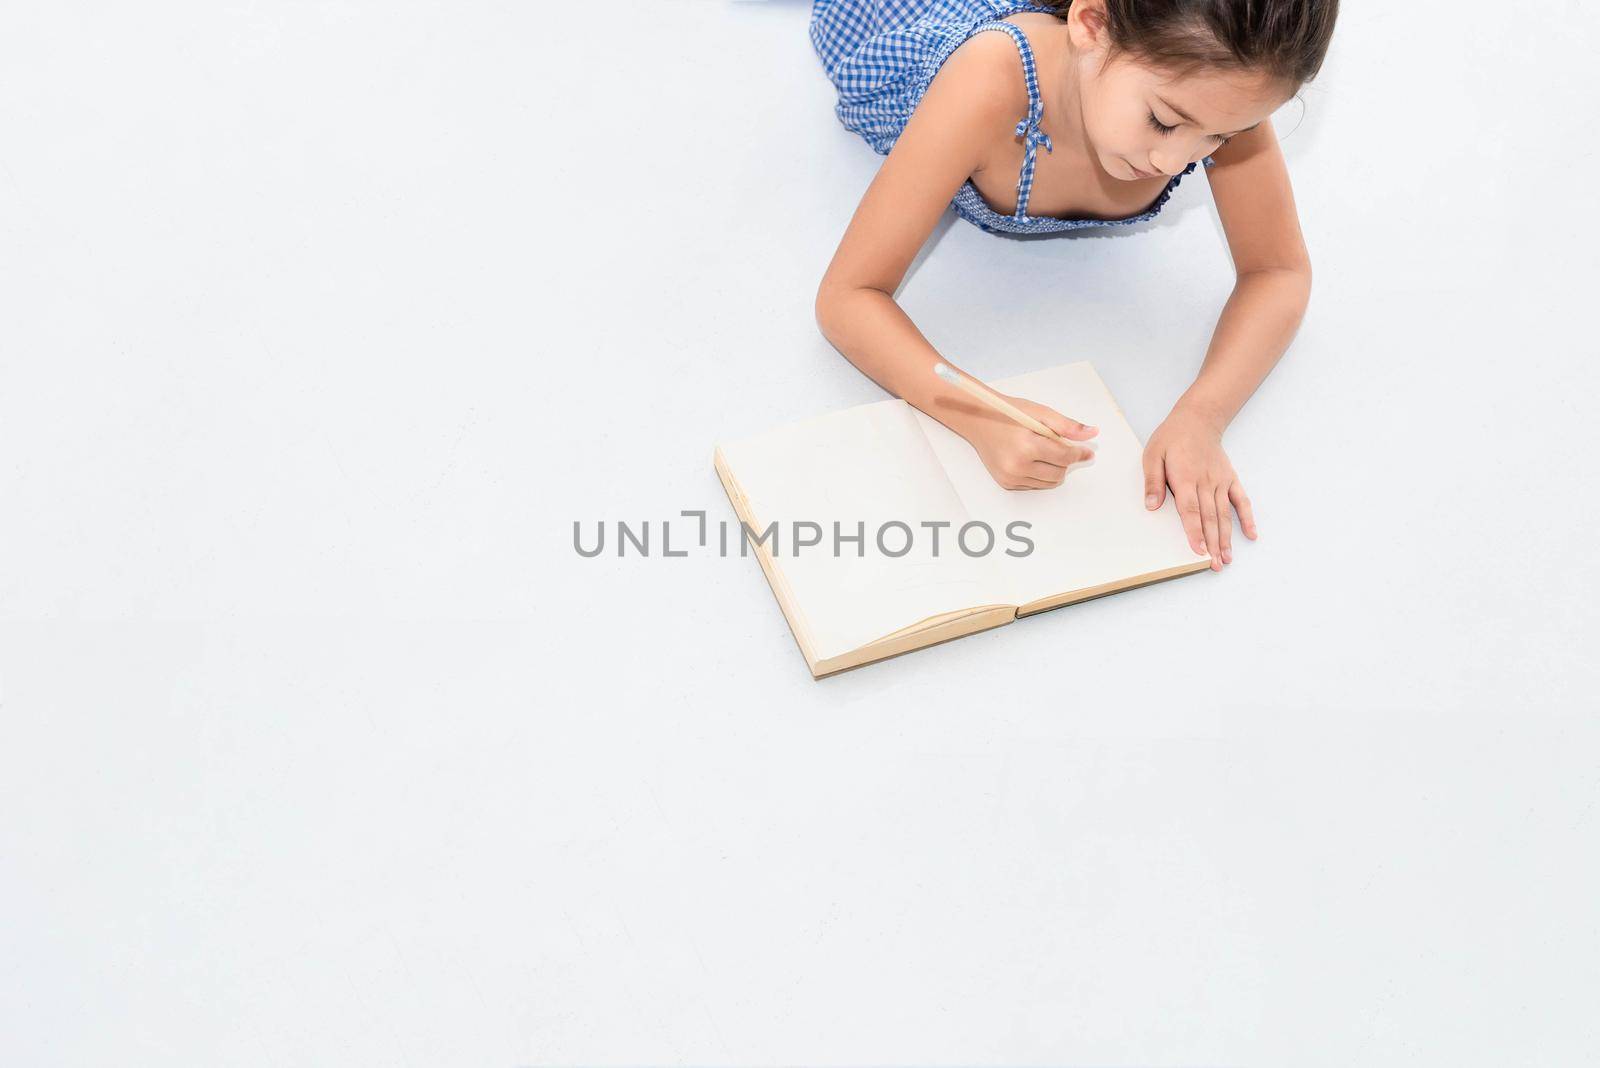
{"x":1250,"y":185}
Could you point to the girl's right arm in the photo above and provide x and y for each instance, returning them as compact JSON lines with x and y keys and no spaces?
{"x":978,"y":92}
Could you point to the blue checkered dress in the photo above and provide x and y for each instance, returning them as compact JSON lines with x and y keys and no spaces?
{"x":882,"y":56}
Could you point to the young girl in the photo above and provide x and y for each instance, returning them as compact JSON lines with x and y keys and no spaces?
{"x":1124,"y":97}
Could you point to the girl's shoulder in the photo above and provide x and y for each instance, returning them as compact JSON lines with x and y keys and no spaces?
{"x":990,"y":64}
{"x":993,"y":60}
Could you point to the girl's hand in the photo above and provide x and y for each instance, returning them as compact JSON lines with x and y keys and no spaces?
{"x":1018,"y":458}
{"x":1186,"y":452}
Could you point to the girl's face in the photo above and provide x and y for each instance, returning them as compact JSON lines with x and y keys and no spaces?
{"x":1142,"y":121}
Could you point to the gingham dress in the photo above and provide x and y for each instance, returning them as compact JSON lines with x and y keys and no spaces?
{"x":882,"y":56}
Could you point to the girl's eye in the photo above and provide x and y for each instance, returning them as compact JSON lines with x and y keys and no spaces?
{"x":1164,"y":129}
{"x":1160,"y":126}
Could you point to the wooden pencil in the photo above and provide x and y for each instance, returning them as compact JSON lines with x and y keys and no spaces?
{"x":994,"y":400}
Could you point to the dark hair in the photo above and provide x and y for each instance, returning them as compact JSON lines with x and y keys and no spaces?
{"x":1286,"y":40}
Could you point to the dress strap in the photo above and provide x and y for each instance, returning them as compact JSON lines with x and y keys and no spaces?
{"x":1028,"y":126}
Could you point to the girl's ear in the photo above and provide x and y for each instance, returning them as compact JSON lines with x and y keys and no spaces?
{"x":1086,"y":22}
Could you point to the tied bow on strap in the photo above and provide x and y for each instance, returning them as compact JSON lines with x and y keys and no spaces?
{"x":1028,"y":130}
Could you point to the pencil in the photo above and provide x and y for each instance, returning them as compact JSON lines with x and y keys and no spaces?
{"x":994,"y":400}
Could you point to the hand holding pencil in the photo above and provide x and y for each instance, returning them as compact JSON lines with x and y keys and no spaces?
{"x":1022,"y":444}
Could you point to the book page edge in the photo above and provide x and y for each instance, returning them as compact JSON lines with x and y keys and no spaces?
{"x":938,"y":621}
{"x":780,"y":586}
{"x":923,"y":636}
{"x":1046,"y":604}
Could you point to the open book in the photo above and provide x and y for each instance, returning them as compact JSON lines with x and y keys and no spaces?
{"x":870,"y":524}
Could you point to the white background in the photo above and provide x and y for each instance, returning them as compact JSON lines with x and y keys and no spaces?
{"x":320,"y":325}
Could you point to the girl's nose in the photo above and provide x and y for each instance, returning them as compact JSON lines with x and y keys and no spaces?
{"x":1198,"y":154}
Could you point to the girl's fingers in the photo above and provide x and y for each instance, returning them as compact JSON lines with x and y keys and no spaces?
{"x":1060,"y":453}
{"x":1046,"y":472}
{"x":1241,"y":504}
{"x":1155,"y":479}
{"x":1056,"y":453}
{"x":1189,"y":512}
{"x":1066,"y":427}
{"x":1052,"y":458}
{"x":1029,"y":482}
{"x":1224,"y":524}
{"x":1208,"y":523}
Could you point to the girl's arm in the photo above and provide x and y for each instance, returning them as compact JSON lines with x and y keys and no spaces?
{"x":976,"y":96}
{"x":1250,"y":185}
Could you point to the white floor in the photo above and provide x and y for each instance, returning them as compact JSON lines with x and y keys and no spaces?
{"x":320,"y":325}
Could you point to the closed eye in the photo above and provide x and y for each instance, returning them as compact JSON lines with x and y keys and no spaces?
{"x":1163,"y":129}
{"x":1160,"y":126}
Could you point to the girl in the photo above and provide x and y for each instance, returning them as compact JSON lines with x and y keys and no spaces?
{"x":1124,"y":97}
